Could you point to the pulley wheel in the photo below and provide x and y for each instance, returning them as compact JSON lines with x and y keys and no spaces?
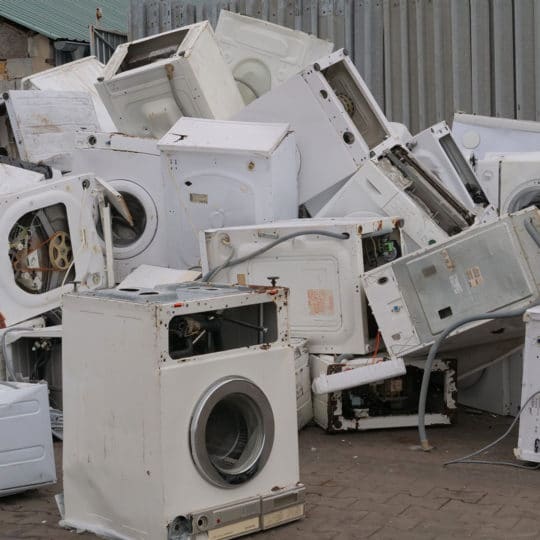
{"x":60,"y":252}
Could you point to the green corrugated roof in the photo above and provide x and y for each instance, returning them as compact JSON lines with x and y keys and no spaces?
{"x":66,"y":19}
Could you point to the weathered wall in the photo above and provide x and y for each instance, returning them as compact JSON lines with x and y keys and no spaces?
{"x":21,"y":53}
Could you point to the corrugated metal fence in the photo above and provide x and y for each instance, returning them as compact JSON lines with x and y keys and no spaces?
{"x":422,"y":59}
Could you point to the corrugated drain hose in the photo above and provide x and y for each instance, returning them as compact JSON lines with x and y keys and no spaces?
{"x":232,"y":262}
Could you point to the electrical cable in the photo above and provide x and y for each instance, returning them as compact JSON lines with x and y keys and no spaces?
{"x":431,"y":357}
{"x":233,"y":262}
{"x":467,"y":458}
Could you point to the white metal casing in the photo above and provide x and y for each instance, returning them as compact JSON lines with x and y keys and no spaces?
{"x":44,"y":123}
{"x":137,"y":90}
{"x":135,"y":495}
{"x":511,"y":179}
{"x":79,"y":75}
{"x":327,"y":304}
{"x":26,"y":449}
{"x":18,"y":305}
{"x":223,"y":174}
{"x":332,"y":143}
{"x":478,"y":135}
{"x":132,"y":166}
{"x":304,"y":403}
{"x":379,"y":190}
{"x":437,"y":150}
{"x":263,"y":55}
{"x":13,"y":179}
{"x":485,"y":269}
{"x":345,"y":411}
{"x":528,"y":444}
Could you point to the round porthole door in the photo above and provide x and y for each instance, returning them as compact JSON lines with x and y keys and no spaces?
{"x":231,"y":432}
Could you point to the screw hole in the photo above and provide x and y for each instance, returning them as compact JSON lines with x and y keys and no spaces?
{"x":348,"y":137}
{"x":324,"y":94}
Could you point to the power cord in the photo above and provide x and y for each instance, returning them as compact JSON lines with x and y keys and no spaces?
{"x":467,"y":458}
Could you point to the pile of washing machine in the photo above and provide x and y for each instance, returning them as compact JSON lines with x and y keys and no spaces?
{"x":218,"y":238}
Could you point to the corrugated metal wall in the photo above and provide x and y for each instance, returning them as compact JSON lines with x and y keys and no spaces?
{"x":104,"y":42}
{"x":422,"y":59}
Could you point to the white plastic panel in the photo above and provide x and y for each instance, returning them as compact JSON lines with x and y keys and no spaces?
{"x":79,"y":76}
{"x":44,"y":123}
{"x":26,"y":449}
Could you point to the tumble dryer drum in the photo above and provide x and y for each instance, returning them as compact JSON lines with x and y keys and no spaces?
{"x":231,"y":432}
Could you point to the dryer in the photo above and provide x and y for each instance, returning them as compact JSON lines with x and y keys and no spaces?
{"x":222,"y":174}
{"x":263,"y":55}
{"x":151,"y":82}
{"x":210,"y":406}
{"x":132,"y":166}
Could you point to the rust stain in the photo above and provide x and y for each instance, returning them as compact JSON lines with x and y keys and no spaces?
{"x":474,"y":276}
{"x":320,"y":302}
{"x":2,"y":321}
{"x":447,"y":260}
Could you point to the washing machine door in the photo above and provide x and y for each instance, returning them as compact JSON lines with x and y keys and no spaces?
{"x":231,"y":432}
{"x":523,"y":196}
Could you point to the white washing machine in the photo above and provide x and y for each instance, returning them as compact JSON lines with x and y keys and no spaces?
{"x":151,"y":82}
{"x":26,"y":448}
{"x":202,"y":443}
{"x":263,"y":55}
{"x":379,"y":189}
{"x":80,"y":75}
{"x":132,"y":166}
{"x":336,"y":120}
{"x":486,"y":269}
{"x":512,"y":180}
{"x":50,"y":239}
{"x":437,"y":150}
{"x":327,"y":303}
{"x":223,"y":174}
{"x":62,"y":113}
{"x":478,"y":135}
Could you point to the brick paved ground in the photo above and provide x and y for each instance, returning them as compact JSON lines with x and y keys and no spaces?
{"x":373,"y":485}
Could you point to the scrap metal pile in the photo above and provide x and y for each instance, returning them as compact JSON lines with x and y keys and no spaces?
{"x":217,"y":238}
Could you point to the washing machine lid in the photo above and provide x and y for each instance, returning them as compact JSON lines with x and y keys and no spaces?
{"x":231,"y":432}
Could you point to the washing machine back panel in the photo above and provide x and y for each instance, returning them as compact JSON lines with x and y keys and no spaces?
{"x":79,"y":76}
{"x":263,"y":55}
{"x":141,"y":76}
{"x":437,"y":150}
{"x":217,"y":179}
{"x":327,"y":304}
{"x":485,"y":269}
{"x":71,"y":225}
{"x":15,"y":179}
{"x":44,"y":123}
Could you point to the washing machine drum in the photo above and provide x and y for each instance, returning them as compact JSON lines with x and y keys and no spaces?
{"x":231,"y":432}
{"x":525,"y":195}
